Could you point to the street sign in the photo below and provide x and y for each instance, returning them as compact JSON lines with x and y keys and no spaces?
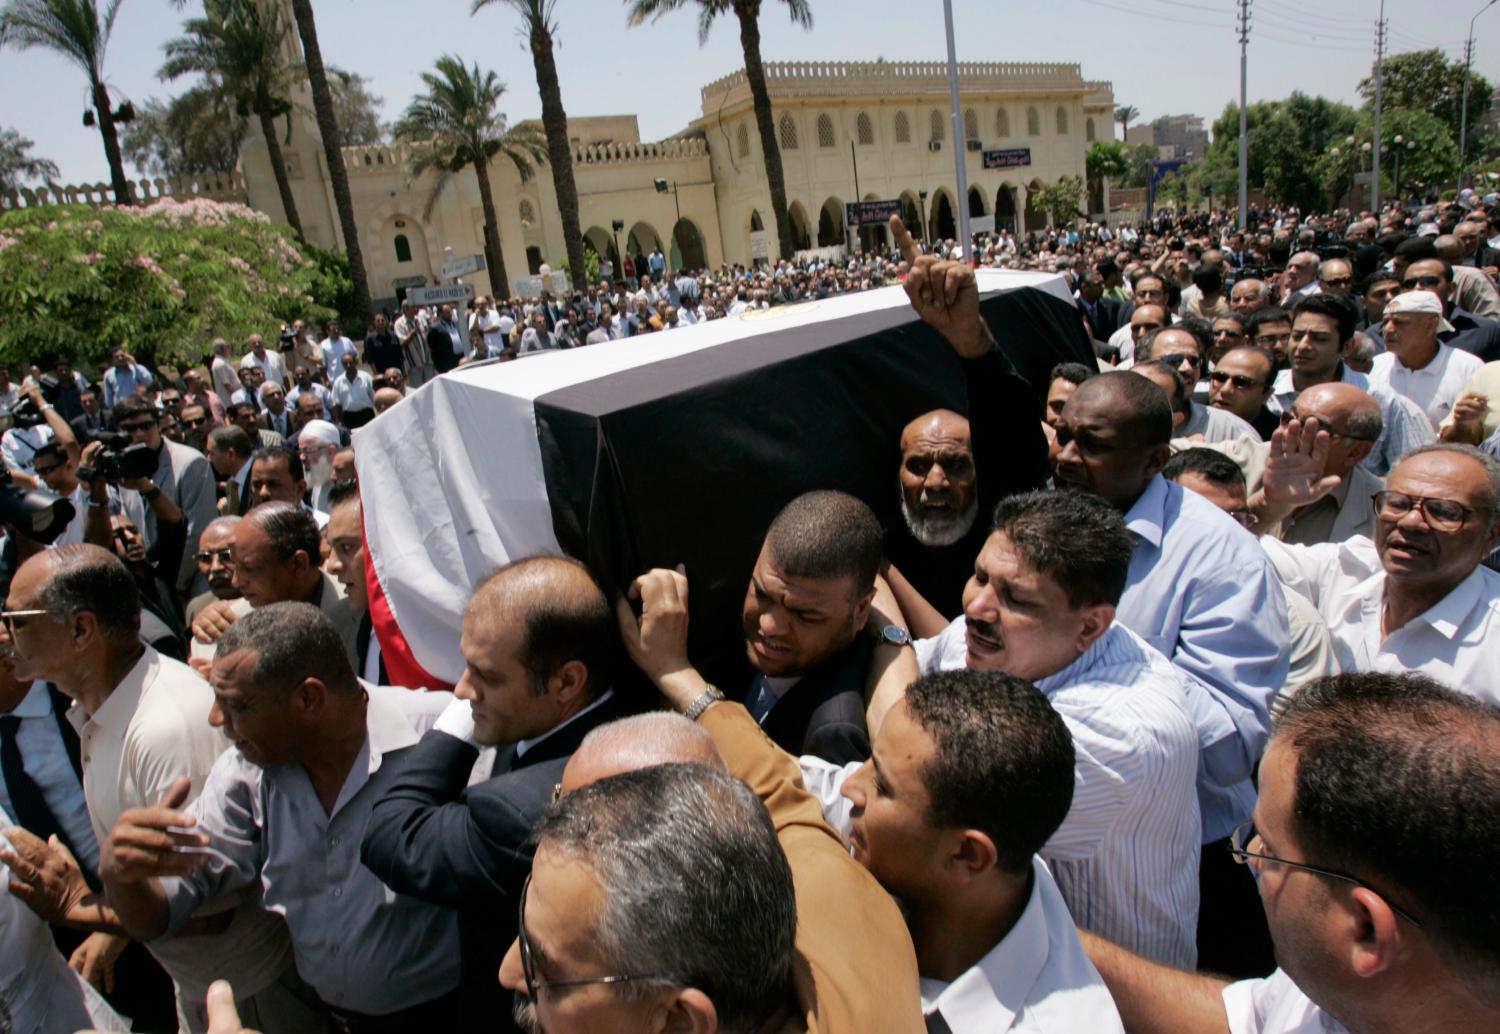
{"x":531,"y":286}
{"x":409,"y":281}
{"x":864,"y":213}
{"x":462,"y":266}
{"x":981,"y":224}
{"x":1007,"y":159}
{"x":440,"y":294}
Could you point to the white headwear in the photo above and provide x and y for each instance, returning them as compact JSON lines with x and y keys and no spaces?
{"x":1422,"y":302}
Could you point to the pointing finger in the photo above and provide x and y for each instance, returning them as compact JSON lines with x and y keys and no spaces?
{"x":904,"y":243}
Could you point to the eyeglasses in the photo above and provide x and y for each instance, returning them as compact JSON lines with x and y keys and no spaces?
{"x":9,"y":618}
{"x":208,"y":556}
{"x":528,"y":964}
{"x":194,"y":421}
{"x":1178,"y":358}
{"x":1411,"y":283}
{"x":140,"y":425}
{"x":1440,"y":514}
{"x":1244,"y":835}
{"x":42,"y":472}
{"x":1239,"y":380}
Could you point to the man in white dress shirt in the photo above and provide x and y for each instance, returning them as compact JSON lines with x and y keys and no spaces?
{"x":1415,"y":363}
{"x":1416,"y":598}
{"x":1373,"y":840}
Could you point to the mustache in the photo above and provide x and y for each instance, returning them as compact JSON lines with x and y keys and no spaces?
{"x":984,"y":628}
{"x":523,"y":1011}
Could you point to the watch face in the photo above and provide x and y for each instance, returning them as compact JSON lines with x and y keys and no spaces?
{"x":895,"y":635}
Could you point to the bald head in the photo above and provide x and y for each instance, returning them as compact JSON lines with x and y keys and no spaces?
{"x":1139,"y":408}
{"x":640,"y":741}
{"x":385,"y":398}
{"x":1350,"y":414}
{"x":940,"y":423}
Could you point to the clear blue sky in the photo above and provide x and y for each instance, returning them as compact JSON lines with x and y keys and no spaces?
{"x":1163,"y":56}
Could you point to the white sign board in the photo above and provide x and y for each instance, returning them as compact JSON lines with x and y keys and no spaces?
{"x":462,"y":266}
{"x":531,"y":286}
{"x":981,"y":224}
{"x":760,"y":244}
{"x":440,"y":294}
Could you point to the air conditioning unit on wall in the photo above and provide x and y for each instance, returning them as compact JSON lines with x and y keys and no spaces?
{"x":975,"y":145}
{"x":934,"y":145}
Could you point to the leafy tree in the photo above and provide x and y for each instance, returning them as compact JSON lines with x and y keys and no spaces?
{"x":457,"y":124}
{"x":1431,"y":160}
{"x":195,"y":133}
{"x":539,"y":26}
{"x":356,"y":109}
{"x":1138,"y":159}
{"x":74,"y":29}
{"x":17,"y":164}
{"x":1062,"y":199}
{"x":1125,"y":114}
{"x":239,"y":47}
{"x":1284,"y":140}
{"x":1425,"y":80}
{"x":160,"y":279}
{"x":747,"y":13}
{"x":1105,"y":159}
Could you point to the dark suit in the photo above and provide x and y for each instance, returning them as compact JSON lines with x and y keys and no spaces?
{"x":467,"y":848}
{"x":824,"y":713}
{"x":282,"y":424}
{"x":440,"y":346}
{"x":1104,"y":320}
{"x":362,"y":650}
{"x":1483,"y":256}
{"x":86,"y":426}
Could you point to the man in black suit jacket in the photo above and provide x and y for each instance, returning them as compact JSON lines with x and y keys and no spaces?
{"x":1103,"y":315}
{"x":540,"y":645}
{"x":805,"y":611}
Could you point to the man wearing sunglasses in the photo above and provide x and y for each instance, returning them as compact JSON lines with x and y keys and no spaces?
{"x":1376,"y":889}
{"x":1180,"y":350}
{"x":1466,"y":331}
{"x":1240,"y":383}
{"x":1416,"y":598}
{"x":183,"y":474}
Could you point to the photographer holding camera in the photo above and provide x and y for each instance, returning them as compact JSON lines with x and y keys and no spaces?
{"x":35,"y":421}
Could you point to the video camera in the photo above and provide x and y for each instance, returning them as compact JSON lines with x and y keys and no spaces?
{"x":122,"y":461}
{"x":25,"y":414}
{"x":36,"y":513}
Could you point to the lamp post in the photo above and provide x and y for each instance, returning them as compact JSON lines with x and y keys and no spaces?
{"x":1401,"y":144}
{"x":616,"y":226}
{"x":922,"y":197}
{"x":1463,"y":121}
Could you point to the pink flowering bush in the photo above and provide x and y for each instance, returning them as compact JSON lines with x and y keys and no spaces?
{"x":163,"y":279}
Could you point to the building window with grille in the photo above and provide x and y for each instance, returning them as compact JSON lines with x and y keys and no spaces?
{"x":1062,"y":121}
{"x":903,"y":128}
{"x":935,"y":125}
{"x":825,"y":131}
{"x":403,"y":248}
{"x":743,"y":140}
{"x":864,"y":130}
{"x":1002,"y":123}
{"x":786,"y":133}
{"x":971,"y":124}
{"x":528,"y":214}
{"x":1088,"y":130}
{"x":1033,"y":122}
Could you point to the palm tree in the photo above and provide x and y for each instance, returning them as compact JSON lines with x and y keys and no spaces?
{"x":1125,"y":115}
{"x":239,"y":47}
{"x":328,"y":128}
{"x":539,"y":26}
{"x":457,"y":124}
{"x":74,"y":29}
{"x":747,"y":12}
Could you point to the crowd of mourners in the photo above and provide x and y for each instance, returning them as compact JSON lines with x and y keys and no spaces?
{"x":1176,"y":712}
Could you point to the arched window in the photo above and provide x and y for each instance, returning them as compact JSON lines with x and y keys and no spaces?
{"x":743,"y":140}
{"x":403,"y":248}
{"x":864,"y":129}
{"x":1002,"y":123}
{"x":528,"y":214}
{"x":903,"y":128}
{"x":825,"y":131}
{"x":971,"y":124}
{"x":1088,"y":130}
{"x":1033,"y":122}
{"x":786,"y":132}
{"x":1062,"y":121}
{"x":935,"y":125}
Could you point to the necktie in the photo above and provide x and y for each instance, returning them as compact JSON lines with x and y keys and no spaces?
{"x":26,"y":797}
{"x":761,"y":700}
{"x":936,"y":1024}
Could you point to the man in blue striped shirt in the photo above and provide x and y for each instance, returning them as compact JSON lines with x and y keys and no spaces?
{"x":1041,"y":606}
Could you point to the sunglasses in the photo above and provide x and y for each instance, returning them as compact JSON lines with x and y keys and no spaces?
{"x":194,"y":421}
{"x":1178,"y":358}
{"x":1411,"y":283}
{"x":1239,"y":380}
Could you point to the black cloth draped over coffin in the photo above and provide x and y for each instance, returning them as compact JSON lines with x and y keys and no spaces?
{"x":688,"y":462}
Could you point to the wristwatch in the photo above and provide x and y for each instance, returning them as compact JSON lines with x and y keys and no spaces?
{"x":895,"y":635}
{"x":710,"y":696}
{"x":151,"y":493}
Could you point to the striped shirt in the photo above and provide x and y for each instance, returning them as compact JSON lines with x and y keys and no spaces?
{"x":1126,"y":856}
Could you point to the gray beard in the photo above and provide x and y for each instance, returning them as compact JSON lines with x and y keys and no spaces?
{"x":938,"y":531}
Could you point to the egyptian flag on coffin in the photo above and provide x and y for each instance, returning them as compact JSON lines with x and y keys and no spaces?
{"x":680,"y":448}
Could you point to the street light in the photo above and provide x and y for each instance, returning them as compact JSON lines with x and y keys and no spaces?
{"x":1463,"y":122}
{"x":922,"y":197}
{"x":1402,"y":144}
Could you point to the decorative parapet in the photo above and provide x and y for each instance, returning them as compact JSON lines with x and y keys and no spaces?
{"x":228,"y":186}
{"x":382,"y":158}
{"x":833,"y":78}
{"x":663,"y":151}
{"x":1101,"y":94}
